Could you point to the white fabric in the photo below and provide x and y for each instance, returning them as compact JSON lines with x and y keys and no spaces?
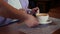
{"x":15,"y":3}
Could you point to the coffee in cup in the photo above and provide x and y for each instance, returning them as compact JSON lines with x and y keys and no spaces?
{"x":42,"y":18}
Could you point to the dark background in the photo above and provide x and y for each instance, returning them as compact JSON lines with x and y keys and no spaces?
{"x":44,"y":5}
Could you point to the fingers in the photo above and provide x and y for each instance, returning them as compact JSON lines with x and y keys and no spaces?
{"x":31,"y":23}
{"x":35,"y":9}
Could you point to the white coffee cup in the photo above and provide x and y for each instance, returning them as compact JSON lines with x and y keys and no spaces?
{"x":42,"y":18}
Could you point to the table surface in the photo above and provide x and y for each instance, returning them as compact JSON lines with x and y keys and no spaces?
{"x":57,"y":32}
{"x":40,"y":29}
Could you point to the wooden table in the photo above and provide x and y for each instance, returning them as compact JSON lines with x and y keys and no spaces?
{"x":10,"y":29}
{"x":22,"y":28}
{"x":57,"y":32}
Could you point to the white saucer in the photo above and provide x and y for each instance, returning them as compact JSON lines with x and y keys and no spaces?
{"x":47,"y":22}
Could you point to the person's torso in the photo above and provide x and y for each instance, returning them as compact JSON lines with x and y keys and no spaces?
{"x":24,"y":3}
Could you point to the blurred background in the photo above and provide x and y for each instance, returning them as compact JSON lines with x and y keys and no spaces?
{"x":44,"y":5}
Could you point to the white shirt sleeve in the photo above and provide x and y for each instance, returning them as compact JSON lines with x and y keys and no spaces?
{"x":15,"y":3}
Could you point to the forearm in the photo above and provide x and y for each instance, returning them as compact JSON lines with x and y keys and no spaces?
{"x":7,"y":6}
{"x":11,"y":12}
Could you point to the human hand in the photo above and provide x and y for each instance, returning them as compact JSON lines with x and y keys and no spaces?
{"x":31,"y":21}
{"x":35,"y":9}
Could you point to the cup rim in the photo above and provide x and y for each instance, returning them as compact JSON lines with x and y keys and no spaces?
{"x":42,"y":14}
